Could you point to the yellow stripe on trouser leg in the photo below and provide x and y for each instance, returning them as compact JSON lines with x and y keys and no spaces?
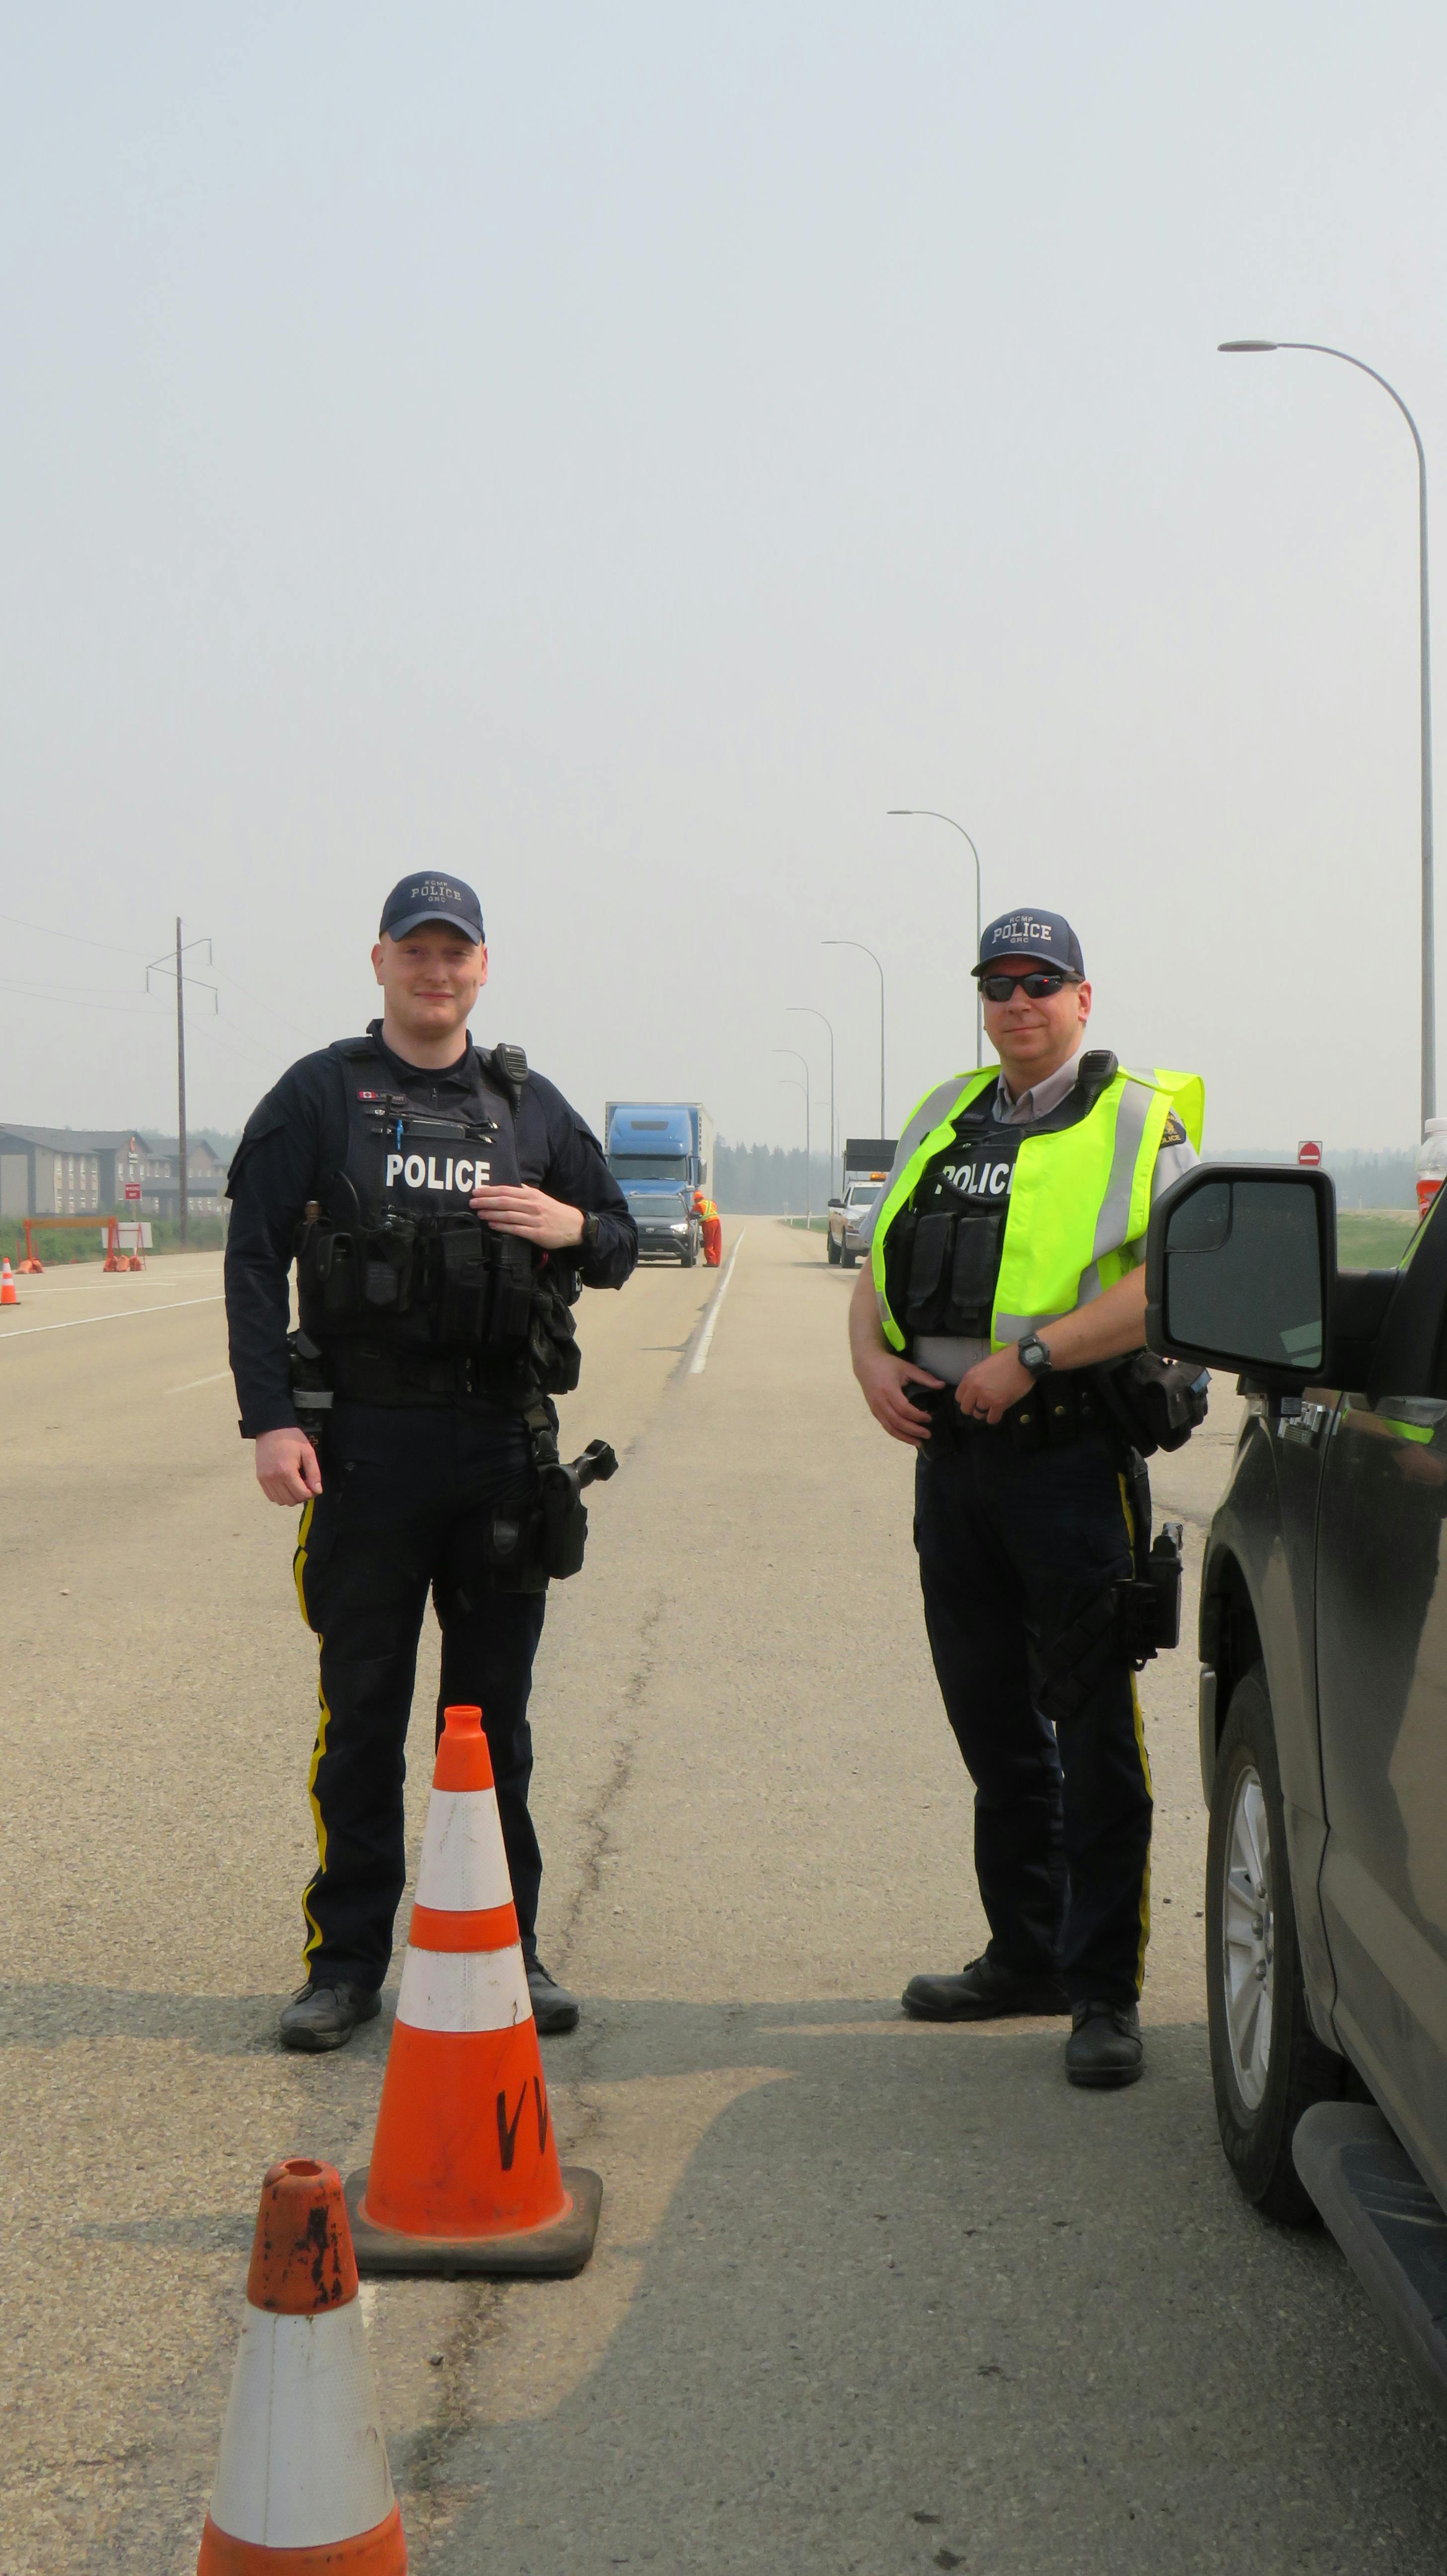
{"x":1140,"y":1737}
{"x":314,"y":1929}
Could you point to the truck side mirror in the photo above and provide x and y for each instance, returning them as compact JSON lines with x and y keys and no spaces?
{"x":1241,"y":1270}
{"x":836,"y":1203}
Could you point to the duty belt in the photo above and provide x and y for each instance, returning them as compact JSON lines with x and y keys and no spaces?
{"x":362,"y":1376}
{"x":1059,"y":1410}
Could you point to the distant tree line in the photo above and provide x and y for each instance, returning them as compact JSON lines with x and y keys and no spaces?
{"x":1384,"y":1179}
{"x":768,"y":1180}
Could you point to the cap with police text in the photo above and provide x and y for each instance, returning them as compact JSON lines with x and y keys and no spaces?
{"x":429,"y":898}
{"x":1024,"y":933}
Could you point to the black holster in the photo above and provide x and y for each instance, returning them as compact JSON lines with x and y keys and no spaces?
{"x":1129,"y":1622}
{"x":541,"y":1537}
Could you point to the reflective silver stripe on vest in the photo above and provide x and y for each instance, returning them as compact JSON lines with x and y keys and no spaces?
{"x":1111,"y":1226}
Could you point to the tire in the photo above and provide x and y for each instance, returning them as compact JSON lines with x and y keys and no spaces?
{"x":831,"y":1249}
{"x":1265,"y":2072}
{"x":847,"y":1259}
{"x":688,"y":1257}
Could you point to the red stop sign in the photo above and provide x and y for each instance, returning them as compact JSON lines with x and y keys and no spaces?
{"x":1309,"y":1150}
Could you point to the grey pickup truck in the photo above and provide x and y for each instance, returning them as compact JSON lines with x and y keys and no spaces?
{"x":1324,"y":1720}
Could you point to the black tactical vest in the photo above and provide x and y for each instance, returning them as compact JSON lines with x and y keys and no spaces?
{"x":943,"y":1252}
{"x":405,"y":1292}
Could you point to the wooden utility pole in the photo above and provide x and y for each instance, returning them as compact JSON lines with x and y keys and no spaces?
{"x":163,"y":966}
{"x":181,"y":1076}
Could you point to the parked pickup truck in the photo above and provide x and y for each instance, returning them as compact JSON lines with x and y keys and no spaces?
{"x":848,"y":1217}
{"x":1323,"y":1719}
{"x":866,"y":1169}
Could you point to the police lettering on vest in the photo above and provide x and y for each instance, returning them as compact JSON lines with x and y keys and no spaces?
{"x":402,"y":1288}
{"x":990,"y":1231}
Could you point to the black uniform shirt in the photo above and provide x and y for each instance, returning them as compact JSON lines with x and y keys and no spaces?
{"x":298,"y":1133}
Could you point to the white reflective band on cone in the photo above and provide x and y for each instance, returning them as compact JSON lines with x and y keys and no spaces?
{"x":464,"y":1989}
{"x":302,"y":2456}
{"x":463,"y":1866}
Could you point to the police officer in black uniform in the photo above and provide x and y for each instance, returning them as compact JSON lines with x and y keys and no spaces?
{"x":1000,"y":1334}
{"x":443,"y":1205}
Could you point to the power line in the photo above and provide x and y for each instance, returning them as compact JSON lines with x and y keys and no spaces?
{"x":47,"y":930}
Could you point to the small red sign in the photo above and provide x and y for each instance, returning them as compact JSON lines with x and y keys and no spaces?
{"x":133,"y":1189}
{"x":1309,"y":1150}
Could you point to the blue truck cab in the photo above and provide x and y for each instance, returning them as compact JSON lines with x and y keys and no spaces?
{"x":660,"y":1152}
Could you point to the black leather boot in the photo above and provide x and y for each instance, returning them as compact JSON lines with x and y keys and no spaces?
{"x":323,"y":2016}
{"x":983,"y":1992}
{"x":554,"y":2008}
{"x":1105,"y":2045}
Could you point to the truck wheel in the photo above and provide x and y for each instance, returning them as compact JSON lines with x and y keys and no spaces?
{"x":1267,"y":2065}
{"x":847,"y":1259}
{"x":688,"y":1256}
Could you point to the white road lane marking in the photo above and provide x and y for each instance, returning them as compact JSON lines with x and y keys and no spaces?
{"x":77,"y":1323}
{"x":699,"y":1361}
{"x":193,"y":1382}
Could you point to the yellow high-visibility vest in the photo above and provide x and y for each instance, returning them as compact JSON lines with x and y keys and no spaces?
{"x":1081,"y":1195}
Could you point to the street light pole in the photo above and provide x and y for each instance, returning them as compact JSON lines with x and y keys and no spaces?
{"x":833,"y":1131}
{"x":868,"y":952}
{"x":928,"y":813}
{"x":1318,"y":348}
{"x":795,"y":1084}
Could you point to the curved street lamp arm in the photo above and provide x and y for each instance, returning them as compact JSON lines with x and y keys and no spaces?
{"x":879,"y":970}
{"x":1323,"y":349}
{"x":932,"y":814}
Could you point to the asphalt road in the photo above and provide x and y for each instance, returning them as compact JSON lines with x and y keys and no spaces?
{"x":866,"y":2295}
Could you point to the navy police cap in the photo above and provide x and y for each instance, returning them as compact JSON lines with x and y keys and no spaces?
{"x":431,"y":898}
{"x":1027,"y":933}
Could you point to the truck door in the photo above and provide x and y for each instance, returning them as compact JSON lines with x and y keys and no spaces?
{"x":1381,"y":1630}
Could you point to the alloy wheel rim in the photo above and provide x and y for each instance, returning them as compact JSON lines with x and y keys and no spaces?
{"x":1248,"y":1940}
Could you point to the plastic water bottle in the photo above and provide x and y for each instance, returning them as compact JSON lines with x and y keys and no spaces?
{"x":1431,"y":1163}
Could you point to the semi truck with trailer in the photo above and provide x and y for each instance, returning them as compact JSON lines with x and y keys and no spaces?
{"x":659,"y":1152}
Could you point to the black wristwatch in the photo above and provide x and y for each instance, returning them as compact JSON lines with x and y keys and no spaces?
{"x":588,"y":1239}
{"x":1033,"y":1354}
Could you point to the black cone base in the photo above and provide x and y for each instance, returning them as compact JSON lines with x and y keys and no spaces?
{"x":554,"y":2251}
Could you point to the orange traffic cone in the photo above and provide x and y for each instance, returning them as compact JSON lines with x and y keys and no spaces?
{"x":464,"y":2174}
{"x":9,"y":1293}
{"x":302,"y":2480}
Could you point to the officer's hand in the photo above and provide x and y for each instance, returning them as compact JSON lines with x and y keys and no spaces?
{"x":549,"y":1223}
{"x":286,"y":1467}
{"x":886,"y":1381}
{"x":988,"y":1390}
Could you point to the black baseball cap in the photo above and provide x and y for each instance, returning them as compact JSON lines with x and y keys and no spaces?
{"x":431,"y":898}
{"x":1028,"y":933}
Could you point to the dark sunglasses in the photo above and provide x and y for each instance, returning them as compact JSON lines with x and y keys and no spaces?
{"x":1044,"y":981}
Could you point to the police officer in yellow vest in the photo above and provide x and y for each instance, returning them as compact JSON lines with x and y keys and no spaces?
{"x":1007,"y":1290}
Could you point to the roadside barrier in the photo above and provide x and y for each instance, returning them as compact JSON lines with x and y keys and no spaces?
{"x":9,"y":1293}
{"x":302,"y":2482}
{"x":464,"y":2174}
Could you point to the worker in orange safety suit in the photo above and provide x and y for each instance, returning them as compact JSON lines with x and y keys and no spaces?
{"x":712,"y":1229}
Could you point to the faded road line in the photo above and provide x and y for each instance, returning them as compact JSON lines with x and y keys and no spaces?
{"x":78,"y":1323}
{"x":193,"y":1382}
{"x":699,"y":1361}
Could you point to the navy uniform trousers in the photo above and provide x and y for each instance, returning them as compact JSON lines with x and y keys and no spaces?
{"x":1013,"y":1546}
{"x":406,"y":1495}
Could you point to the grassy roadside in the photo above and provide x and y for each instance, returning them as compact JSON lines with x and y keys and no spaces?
{"x":1367,"y":1238}
{"x":85,"y":1243}
{"x":1373,"y":1238}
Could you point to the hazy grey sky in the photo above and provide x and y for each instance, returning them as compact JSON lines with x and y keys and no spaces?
{"x":616,"y":452}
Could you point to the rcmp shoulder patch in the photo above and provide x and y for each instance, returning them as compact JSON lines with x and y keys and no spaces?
{"x":1175,"y":1133}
